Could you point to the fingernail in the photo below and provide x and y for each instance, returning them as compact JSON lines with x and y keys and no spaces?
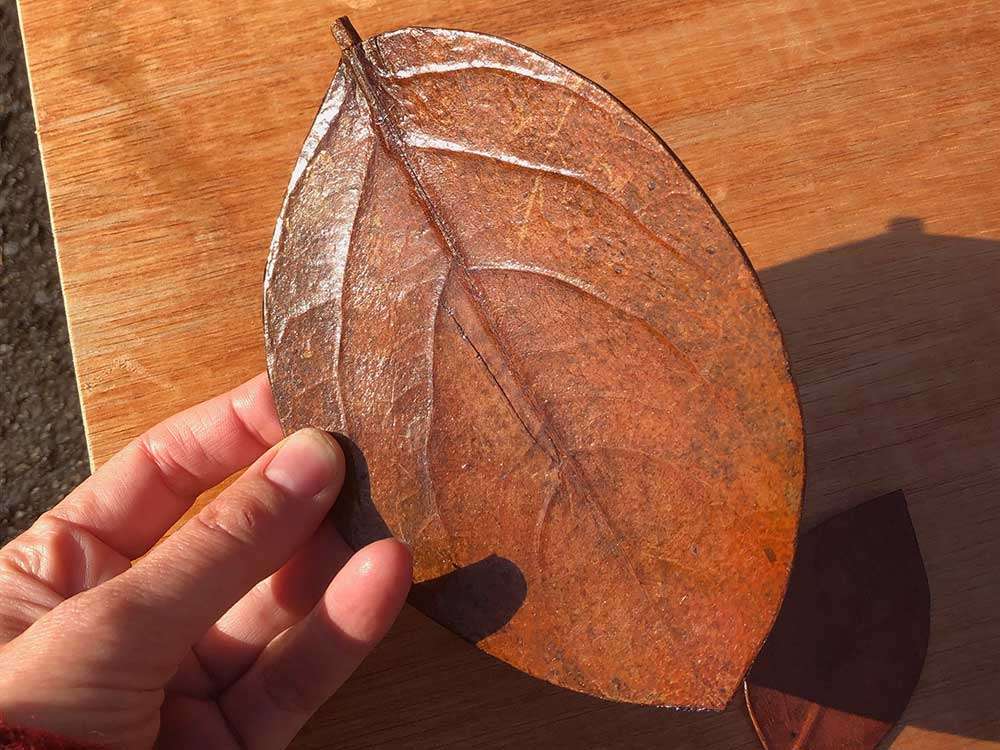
{"x":306,"y":463}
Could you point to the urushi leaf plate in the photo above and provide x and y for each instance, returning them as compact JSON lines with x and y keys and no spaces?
{"x":553,"y":365}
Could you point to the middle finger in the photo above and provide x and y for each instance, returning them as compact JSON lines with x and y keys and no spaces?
{"x":272,"y":606}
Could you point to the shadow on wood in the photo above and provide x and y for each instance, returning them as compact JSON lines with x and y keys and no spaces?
{"x":895,"y":346}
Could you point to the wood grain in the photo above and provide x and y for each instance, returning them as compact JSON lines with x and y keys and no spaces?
{"x":168,"y":134}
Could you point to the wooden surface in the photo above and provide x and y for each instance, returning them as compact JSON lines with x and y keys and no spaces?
{"x":851,"y":145}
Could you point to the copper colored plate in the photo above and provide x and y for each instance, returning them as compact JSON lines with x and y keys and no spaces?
{"x":849,"y":644}
{"x":552,"y":363}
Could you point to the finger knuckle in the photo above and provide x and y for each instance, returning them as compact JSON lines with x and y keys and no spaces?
{"x":287,"y":690}
{"x":23,"y":557}
{"x":240,"y":523}
{"x":51,"y":528}
{"x":175,"y":452}
{"x":31,"y":554}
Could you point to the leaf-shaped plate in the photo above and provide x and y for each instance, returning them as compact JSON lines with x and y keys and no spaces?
{"x":846,"y":652}
{"x":550,"y":353}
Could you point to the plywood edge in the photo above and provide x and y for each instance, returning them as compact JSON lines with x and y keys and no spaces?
{"x":55,"y":237}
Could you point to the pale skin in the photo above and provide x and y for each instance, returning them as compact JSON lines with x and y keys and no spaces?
{"x":233,"y":631}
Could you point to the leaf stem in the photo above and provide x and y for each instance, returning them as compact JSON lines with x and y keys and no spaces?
{"x":344,"y":32}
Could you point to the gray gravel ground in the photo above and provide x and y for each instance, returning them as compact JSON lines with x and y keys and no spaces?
{"x":42,"y":449}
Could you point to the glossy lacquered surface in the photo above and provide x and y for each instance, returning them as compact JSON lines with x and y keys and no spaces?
{"x":554,"y":363}
{"x":844,"y":657}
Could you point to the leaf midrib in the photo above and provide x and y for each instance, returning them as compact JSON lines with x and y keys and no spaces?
{"x":483,"y":336}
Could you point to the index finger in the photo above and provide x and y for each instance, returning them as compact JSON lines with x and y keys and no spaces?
{"x":131,"y":501}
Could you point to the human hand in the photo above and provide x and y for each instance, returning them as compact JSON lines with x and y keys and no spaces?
{"x":230,"y":633}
